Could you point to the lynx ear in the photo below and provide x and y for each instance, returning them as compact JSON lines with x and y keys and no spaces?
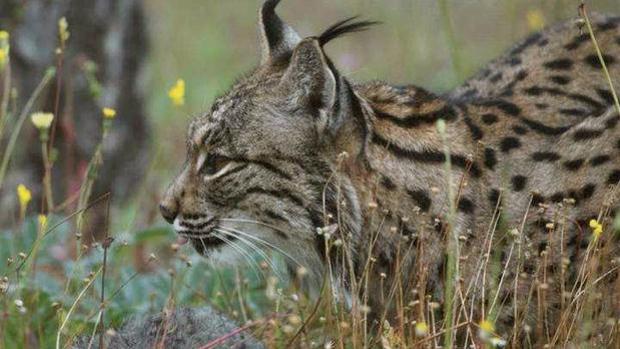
{"x":309,"y":80}
{"x":277,"y":38}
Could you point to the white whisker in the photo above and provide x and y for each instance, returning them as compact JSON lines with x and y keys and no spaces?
{"x":255,"y":248}
{"x":243,"y":254}
{"x":259,"y":240}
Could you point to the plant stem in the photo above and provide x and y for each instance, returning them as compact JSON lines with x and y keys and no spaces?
{"x":4,"y":116}
{"x":582,"y":11}
{"x":20,"y":122}
{"x":73,"y":306}
{"x":47,"y":177}
{"x":452,"y":243}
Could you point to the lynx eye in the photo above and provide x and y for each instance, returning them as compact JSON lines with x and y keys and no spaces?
{"x":210,"y":164}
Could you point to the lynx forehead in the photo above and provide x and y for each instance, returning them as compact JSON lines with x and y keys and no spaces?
{"x":295,"y":147}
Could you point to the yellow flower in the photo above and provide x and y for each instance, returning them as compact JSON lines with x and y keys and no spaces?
{"x":177,"y":93}
{"x":4,"y":35}
{"x":486,"y":330}
{"x":24,"y":195}
{"x":597,"y":228}
{"x":42,"y":121}
{"x":535,"y":20}
{"x":487,"y":326}
{"x":109,"y":113}
{"x":42,"y":222}
{"x":421,"y":329}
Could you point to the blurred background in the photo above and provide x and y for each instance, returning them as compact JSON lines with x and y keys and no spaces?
{"x":127,"y":55}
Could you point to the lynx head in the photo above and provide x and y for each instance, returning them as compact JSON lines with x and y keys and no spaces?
{"x":261,"y":167}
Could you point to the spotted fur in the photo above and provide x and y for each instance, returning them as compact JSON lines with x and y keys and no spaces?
{"x":295,"y":146}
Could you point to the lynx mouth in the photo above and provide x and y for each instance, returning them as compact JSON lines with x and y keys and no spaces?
{"x":203,"y":244}
{"x":202,"y":234}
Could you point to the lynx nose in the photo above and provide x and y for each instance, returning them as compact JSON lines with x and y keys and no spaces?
{"x":168,"y":213}
{"x":169,"y":206}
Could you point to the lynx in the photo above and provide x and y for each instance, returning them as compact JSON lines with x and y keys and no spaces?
{"x":514,"y":163}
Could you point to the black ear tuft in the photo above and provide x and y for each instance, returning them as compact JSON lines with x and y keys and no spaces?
{"x":277,"y":37}
{"x":344,"y":27}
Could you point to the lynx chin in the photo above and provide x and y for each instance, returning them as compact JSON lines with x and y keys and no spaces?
{"x":298,"y":159}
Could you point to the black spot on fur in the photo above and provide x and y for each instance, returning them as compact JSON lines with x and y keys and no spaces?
{"x":560,"y":79}
{"x":476,"y":132}
{"x":573,"y":165}
{"x":507,"y":92}
{"x":533,"y":91}
{"x":519,"y":182}
{"x":545,"y":156}
{"x":609,"y":25}
{"x":537,"y":199}
{"x":388,"y":183}
{"x":531,"y":40}
{"x":514,"y":61}
{"x":574,"y":195}
{"x":599,"y":160}
{"x":545,"y":129}
{"x":605,"y":95}
{"x":577,"y":41}
{"x":521,"y":75}
{"x":612,"y":122}
{"x":594,"y":62}
{"x":574,"y":112}
{"x":542,"y":106}
{"x":490,"y":160}
{"x":505,"y":106}
{"x":430,"y":156}
{"x":421,"y":198}
{"x":586,"y":134}
{"x":489,"y":119}
{"x":415,"y":120}
{"x":496,"y":77}
{"x":509,"y":143}
{"x":557,"y":197}
{"x":466,"y":206}
{"x":520,"y":130}
{"x":587,"y":191}
{"x":559,"y":64}
{"x":493,"y":197}
{"x":614,"y":177}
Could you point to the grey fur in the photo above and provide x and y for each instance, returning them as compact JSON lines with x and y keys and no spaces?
{"x":186,"y":329}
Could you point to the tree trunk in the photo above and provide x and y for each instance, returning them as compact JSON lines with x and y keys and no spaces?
{"x":100,"y":67}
